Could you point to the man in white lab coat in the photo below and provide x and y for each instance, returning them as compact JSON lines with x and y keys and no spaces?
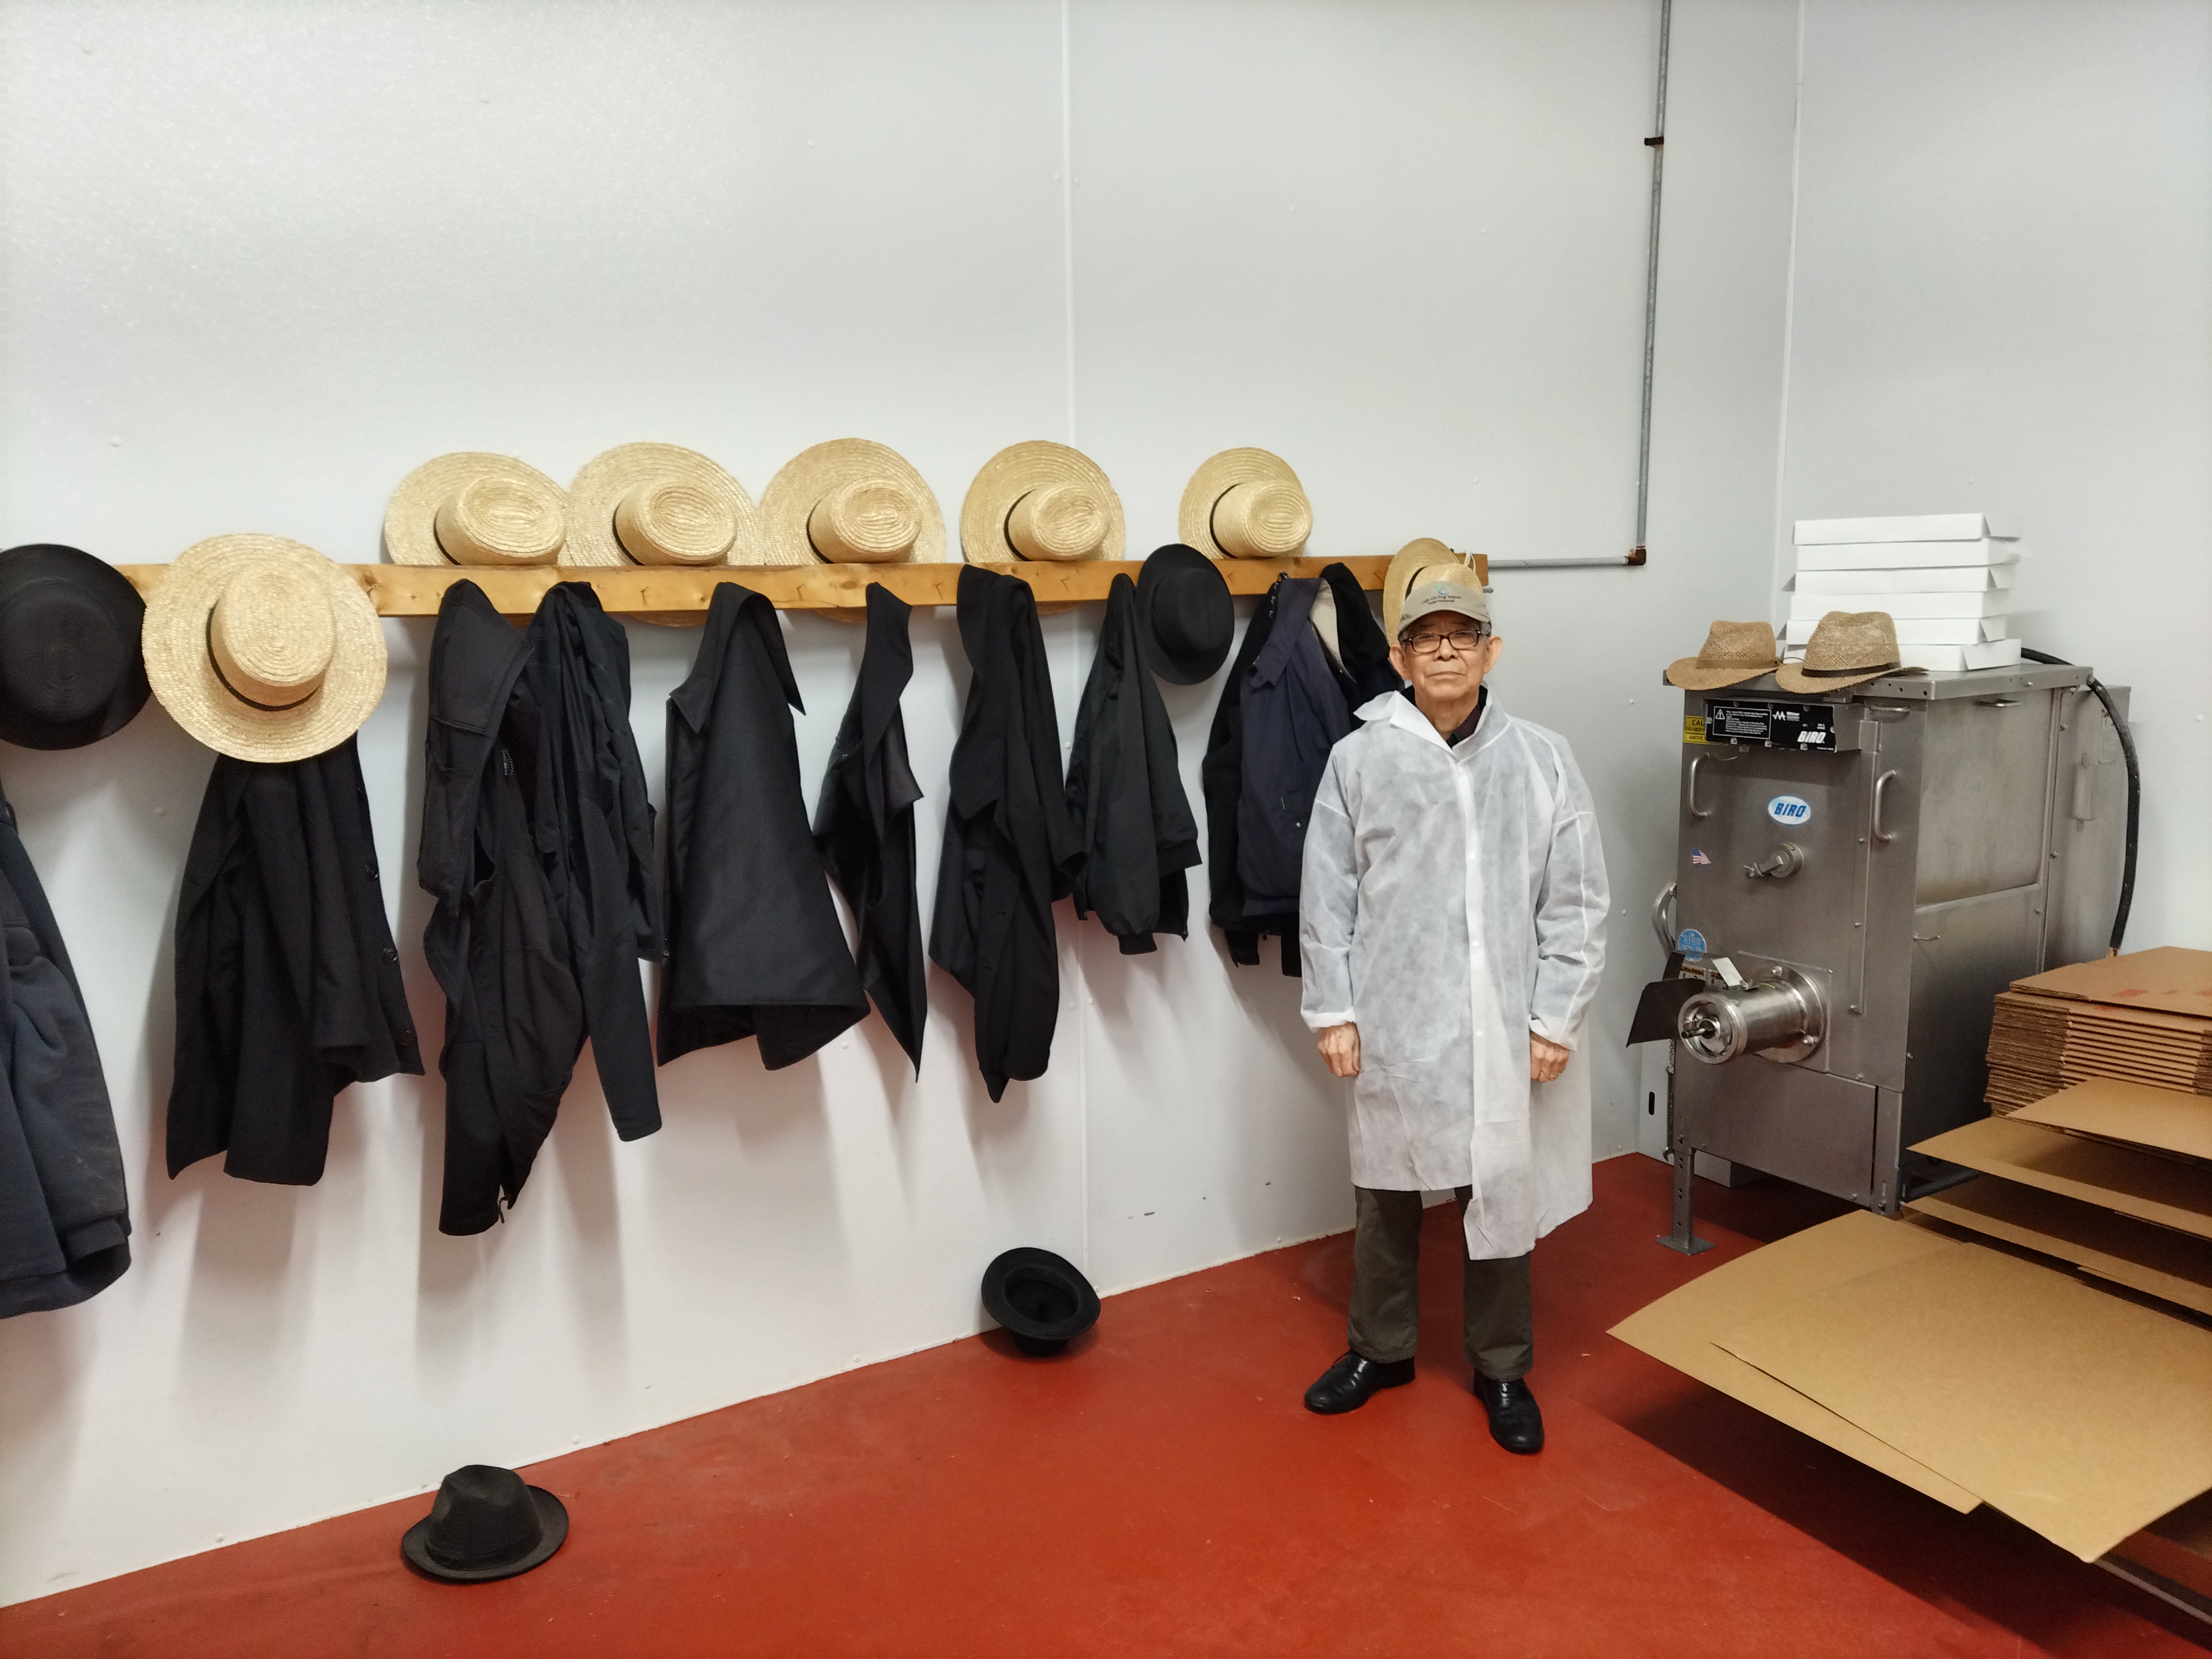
{"x":1452,"y":925}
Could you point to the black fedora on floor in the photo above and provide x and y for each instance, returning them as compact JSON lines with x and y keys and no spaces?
{"x":1043,"y":1300}
{"x":1184,"y":609}
{"x":70,"y":671}
{"x":486,"y":1524}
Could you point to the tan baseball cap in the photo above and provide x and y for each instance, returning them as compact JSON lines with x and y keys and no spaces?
{"x":1444,"y":587}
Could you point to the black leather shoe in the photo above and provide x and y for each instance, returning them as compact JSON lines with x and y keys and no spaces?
{"x":1344,"y":1386}
{"x":1514,"y":1422}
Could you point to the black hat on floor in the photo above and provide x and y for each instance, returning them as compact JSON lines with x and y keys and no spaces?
{"x":71,"y":672}
{"x":486,"y":1524}
{"x":1184,"y":609}
{"x":1043,"y":1300}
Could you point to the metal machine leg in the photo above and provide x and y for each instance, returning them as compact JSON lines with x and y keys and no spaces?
{"x":1683,"y":1237}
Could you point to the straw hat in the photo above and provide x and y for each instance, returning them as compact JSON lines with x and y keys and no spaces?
{"x":659,"y":504}
{"x":474,"y":510}
{"x":1406,"y":567}
{"x":1733,"y":653}
{"x":1847,"y":648}
{"x":1245,"y":504}
{"x":263,"y":649}
{"x":850,"y":501}
{"x":1040,"y":500}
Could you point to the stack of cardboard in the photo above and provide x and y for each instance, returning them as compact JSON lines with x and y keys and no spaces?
{"x":2146,"y":1017}
{"x":1945,"y":579}
{"x":1945,"y":1348}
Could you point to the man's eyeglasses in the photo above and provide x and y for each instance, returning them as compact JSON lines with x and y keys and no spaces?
{"x":1463,"y":641}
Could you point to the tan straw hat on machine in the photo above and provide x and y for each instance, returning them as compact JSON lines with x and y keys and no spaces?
{"x":850,"y":501}
{"x":1040,"y":500}
{"x":479,"y":509}
{"x":1734,"y":652}
{"x":1410,"y":563}
{"x":659,"y":504}
{"x":1245,"y":504}
{"x":262,"y":648}
{"x":1847,"y":649}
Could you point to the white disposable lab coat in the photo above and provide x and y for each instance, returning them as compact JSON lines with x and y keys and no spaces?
{"x":1453,"y":900}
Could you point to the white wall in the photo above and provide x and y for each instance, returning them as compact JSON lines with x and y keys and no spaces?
{"x":2004,"y":300}
{"x":260,"y":260}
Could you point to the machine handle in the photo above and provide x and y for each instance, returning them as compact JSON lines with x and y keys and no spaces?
{"x":1881,"y":793}
{"x":1663,"y":917}
{"x":1696,"y":811}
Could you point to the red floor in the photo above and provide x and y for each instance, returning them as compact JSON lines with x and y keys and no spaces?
{"x":1158,"y":1490}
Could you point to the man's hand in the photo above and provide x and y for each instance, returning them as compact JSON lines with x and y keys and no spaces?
{"x":1339,"y":1047}
{"x":1546,"y":1060}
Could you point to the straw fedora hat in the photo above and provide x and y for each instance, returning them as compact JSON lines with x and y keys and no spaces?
{"x":1847,"y":649}
{"x":472,"y":508}
{"x":659,"y":504}
{"x":1423,"y":554}
{"x":850,"y":501}
{"x":1245,"y":504}
{"x":262,"y":648}
{"x":1040,"y":500}
{"x":1733,"y":653}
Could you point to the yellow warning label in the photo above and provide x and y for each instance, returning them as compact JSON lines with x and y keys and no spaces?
{"x":1694,"y":728}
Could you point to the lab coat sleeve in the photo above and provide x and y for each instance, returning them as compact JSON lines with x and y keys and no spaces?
{"x":1328,"y":905}
{"x":1571,"y":907}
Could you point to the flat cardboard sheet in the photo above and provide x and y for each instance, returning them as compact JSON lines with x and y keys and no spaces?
{"x":2119,"y":1111}
{"x":2156,"y":1260}
{"x":2169,"y":977}
{"x":1680,"y":1327}
{"x":2166,"y":1190}
{"x":2080,"y":1415}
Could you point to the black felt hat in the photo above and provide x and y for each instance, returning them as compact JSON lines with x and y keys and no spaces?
{"x":1043,"y":1300}
{"x":1183,"y":607}
{"x":485,"y":1524}
{"x":70,"y":671}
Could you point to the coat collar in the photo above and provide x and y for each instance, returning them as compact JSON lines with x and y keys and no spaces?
{"x":1395,"y":709}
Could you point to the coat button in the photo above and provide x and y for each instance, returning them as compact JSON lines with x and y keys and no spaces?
{"x":391,"y":953}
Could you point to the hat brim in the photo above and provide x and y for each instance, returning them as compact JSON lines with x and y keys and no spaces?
{"x":552,"y":1532}
{"x":411,"y":517}
{"x":1685,"y":673}
{"x":1000,"y":1276}
{"x":1172,"y":564}
{"x":1018,"y":471}
{"x":183,"y":677}
{"x":602,"y":482}
{"x":1792,"y":677}
{"x":21,"y":568}
{"x":1216,"y":477}
{"x":801,"y":483}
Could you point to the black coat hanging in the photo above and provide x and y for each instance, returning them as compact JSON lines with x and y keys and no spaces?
{"x":864,"y":825}
{"x":1010,"y":847}
{"x":755,"y":946}
{"x":1125,"y":792}
{"x":287,"y":982}
{"x":537,"y":845}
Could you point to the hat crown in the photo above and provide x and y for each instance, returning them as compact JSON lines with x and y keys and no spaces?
{"x":1845,"y":641}
{"x":675,"y":521}
{"x":1738,"y":645}
{"x":61,"y":655}
{"x":483,"y":1516}
{"x":495,"y":519}
{"x":1058,"y":521}
{"x":1263,"y":519}
{"x":272,"y":636}
{"x":868,"y":519}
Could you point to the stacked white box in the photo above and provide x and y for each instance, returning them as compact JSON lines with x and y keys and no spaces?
{"x":1946,"y":579}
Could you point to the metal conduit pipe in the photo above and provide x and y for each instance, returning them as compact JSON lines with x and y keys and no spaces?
{"x":1657,"y":143}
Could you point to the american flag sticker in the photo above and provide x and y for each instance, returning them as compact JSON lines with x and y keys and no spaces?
{"x":1698,"y":856}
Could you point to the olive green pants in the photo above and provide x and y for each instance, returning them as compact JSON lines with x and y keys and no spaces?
{"x":1386,"y":1290}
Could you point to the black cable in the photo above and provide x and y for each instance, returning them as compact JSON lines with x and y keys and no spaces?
{"x":2135,"y":792}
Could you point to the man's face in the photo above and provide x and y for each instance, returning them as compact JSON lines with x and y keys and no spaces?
{"x":1442,"y":657}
